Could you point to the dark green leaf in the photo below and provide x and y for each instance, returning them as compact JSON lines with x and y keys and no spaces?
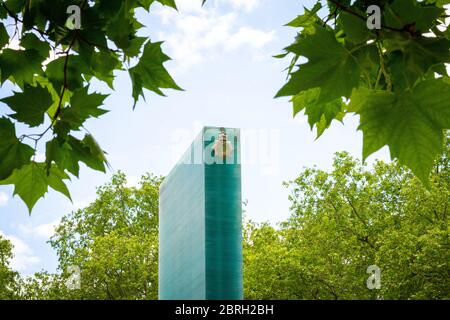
{"x":411,"y":123}
{"x":13,"y":153}
{"x":83,"y":106}
{"x":318,"y":113}
{"x":55,"y":180}
{"x":120,"y":28}
{"x":355,"y":28}
{"x":4,"y":37}
{"x":96,"y":151}
{"x":30,"y":105}
{"x":87,"y":152}
{"x":307,"y":19}
{"x":150,"y":73}
{"x":57,"y":72}
{"x":31,"y":182}
{"x":59,"y":151}
{"x":31,"y":41}
{"x":412,"y":58}
{"x":16,"y":6}
{"x":134,"y":48}
{"x":103,"y":65}
{"x":402,"y":13}
{"x":330,"y":66}
{"x":307,"y":100}
{"x":20,"y":64}
{"x":170,"y":3}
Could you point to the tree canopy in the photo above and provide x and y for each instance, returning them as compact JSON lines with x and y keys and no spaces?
{"x":9,"y":279}
{"x":342,"y":221}
{"x":346,"y":220}
{"x":393,"y":216}
{"x":113,"y":242}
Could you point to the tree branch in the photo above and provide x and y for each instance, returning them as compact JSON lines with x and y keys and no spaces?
{"x":356,"y":14}
{"x":17,"y":19}
{"x":98,"y":45}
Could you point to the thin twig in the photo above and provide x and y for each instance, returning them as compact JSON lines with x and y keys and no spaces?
{"x":65,"y":84}
{"x":386,"y":75}
{"x":61,"y":97}
{"x":378,"y":78}
{"x":17,"y":19}
{"x":97,"y":45}
{"x":330,"y":16}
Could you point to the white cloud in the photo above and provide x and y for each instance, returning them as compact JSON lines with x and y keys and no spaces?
{"x":23,"y":254}
{"x":3,"y":199}
{"x":81,"y":204}
{"x":45,"y":230}
{"x":247,"y":5}
{"x":188,"y":6}
{"x":198,"y":34}
{"x":196,"y":5}
{"x":251,"y":37}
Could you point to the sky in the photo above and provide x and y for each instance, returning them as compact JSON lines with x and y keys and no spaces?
{"x":222,"y":58}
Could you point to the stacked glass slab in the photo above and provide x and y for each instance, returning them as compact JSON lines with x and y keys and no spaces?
{"x":200,"y":222}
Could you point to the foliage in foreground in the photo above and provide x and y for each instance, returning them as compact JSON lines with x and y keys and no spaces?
{"x":341,"y":222}
{"x":394,"y":78}
{"x":51,"y":73}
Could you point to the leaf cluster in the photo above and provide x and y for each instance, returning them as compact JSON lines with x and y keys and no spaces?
{"x":395,"y":78}
{"x":51,"y":65}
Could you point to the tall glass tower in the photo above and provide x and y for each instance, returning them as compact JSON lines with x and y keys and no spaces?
{"x":200,"y":221}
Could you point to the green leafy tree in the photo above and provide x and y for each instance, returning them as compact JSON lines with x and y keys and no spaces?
{"x":271,"y":270}
{"x":416,"y":252}
{"x":9,"y":279}
{"x":394,"y":78}
{"x":346,"y":220}
{"x":113,"y":242}
{"x":45,"y":286}
{"x":342,"y":221}
{"x":51,"y":73}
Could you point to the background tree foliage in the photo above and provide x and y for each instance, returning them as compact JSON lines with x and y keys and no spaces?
{"x":9,"y":279}
{"x":346,"y":220}
{"x":114,"y":242}
{"x":394,"y":78}
{"x":341,"y":222}
{"x":52,"y":70}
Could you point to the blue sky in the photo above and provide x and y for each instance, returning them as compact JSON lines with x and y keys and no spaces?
{"x":222,"y":57}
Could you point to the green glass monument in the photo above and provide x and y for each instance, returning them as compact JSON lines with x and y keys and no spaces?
{"x":200,"y":221}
